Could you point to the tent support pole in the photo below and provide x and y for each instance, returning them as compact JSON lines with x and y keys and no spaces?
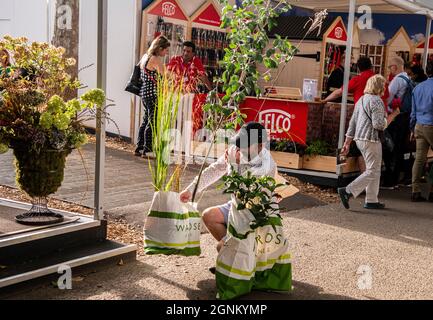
{"x":347,"y":66}
{"x":100,"y":118}
{"x":427,"y":43}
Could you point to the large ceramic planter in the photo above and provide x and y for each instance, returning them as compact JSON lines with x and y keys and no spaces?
{"x":39,"y":174}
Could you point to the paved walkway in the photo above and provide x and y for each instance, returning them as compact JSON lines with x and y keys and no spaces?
{"x":127,"y":178}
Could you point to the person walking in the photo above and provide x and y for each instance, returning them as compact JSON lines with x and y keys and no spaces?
{"x":400,"y":91}
{"x":421,"y":125}
{"x":367,"y":121}
{"x":151,"y":66}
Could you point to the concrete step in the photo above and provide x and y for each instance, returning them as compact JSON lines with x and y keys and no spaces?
{"x":52,"y":266}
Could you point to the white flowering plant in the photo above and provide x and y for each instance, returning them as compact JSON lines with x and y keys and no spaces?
{"x":256,"y":194}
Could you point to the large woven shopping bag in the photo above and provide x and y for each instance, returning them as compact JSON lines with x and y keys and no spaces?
{"x":172,"y":227}
{"x":253,"y":259}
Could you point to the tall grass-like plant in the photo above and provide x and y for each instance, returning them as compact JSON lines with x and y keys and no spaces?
{"x":164,"y":120}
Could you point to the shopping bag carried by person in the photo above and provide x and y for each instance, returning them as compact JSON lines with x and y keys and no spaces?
{"x":172,"y":227}
{"x":255,"y":255}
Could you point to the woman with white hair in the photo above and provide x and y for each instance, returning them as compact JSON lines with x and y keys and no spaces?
{"x":367,"y":121}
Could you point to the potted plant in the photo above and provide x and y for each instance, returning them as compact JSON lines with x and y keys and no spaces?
{"x":320,"y":156}
{"x":171,"y":227}
{"x":287,"y":153}
{"x":39,"y":126}
{"x":256,"y":254}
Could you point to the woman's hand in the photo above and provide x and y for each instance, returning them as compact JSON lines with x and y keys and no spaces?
{"x":185,"y":196}
{"x":345,"y":150}
{"x":392,"y":115}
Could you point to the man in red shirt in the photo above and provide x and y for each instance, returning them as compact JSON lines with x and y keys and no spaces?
{"x":189,"y":68}
{"x":358,"y":83}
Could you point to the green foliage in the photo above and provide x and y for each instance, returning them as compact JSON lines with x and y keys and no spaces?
{"x":35,"y":120}
{"x":168,"y":100}
{"x":255,"y":194}
{"x":318,"y":148}
{"x":40,"y":174}
{"x":248,"y":26}
{"x":32,"y":110}
{"x":287,"y":145}
{"x":248,"y":35}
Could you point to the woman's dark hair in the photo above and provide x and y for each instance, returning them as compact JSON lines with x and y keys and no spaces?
{"x":429,"y":69}
{"x":364,"y":63}
{"x":189,"y":44}
{"x":418,"y":72}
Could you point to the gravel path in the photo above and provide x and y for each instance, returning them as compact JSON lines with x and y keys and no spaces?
{"x":334,"y":251}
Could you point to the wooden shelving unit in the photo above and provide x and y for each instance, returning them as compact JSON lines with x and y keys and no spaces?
{"x":376,"y":54}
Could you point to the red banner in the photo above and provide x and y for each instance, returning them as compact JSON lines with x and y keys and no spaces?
{"x":282,"y":119}
{"x":169,"y":9}
{"x":209,"y":16}
{"x":339,"y":32}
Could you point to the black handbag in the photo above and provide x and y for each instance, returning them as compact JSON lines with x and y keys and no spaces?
{"x":135,"y":83}
{"x":385,"y":137}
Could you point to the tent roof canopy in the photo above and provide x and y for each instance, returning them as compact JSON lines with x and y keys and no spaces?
{"x":423,"y":7}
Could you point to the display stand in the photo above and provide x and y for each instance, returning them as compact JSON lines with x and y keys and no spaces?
{"x":165,"y":17}
{"x":399,"y":45}
{"x":419,"y":51}
{"x":205,"y":32}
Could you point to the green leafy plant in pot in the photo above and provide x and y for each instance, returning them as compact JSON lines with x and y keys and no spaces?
{"x":38,"y":124}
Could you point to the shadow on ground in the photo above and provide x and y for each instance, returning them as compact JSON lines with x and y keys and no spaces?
{"x":402,"y":220}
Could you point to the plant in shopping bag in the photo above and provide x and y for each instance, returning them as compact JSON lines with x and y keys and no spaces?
{"x":248,"y":36}
{"x":256,"y":194}
{"x":36,"y":122}
{"x":255,"y":255}
{"x":171,"y":227}
{"x":168,"y":99}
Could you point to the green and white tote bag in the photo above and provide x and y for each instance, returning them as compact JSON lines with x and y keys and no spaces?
{"x":172,"y":227}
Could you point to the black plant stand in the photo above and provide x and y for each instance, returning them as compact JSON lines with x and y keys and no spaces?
{"x":39,"y":214}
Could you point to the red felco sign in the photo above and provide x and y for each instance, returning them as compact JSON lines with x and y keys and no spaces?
{"x":169,"y":9}
{"x":282,"y":119}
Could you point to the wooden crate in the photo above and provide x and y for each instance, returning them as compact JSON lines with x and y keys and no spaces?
{"x":201,"y":149}
{"x":287,"y":160}
{"x":329,"y":164}
{"x":351,"y":165}
{"x":320,"y":163}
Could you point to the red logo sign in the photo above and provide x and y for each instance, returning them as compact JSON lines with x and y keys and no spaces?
{"x":209,"y":16}
{"x":282,"y":119}
{"x":338,"y":33}
{"x":169,"y":9}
